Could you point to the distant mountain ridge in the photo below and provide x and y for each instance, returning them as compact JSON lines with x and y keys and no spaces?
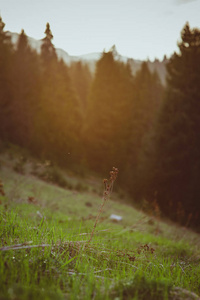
{"x":92,"y":58}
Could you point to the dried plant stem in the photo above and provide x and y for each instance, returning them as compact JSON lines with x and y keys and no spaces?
{"x":108,"y":188}
{"x":97,"y":218}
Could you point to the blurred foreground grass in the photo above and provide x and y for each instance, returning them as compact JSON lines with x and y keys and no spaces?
{"x":44,"y":230}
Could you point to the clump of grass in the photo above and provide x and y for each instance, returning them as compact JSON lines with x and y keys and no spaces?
{"x":50,"y":173}
{"x":19,"y":166}
{"x":56,"y":176}
{"x":28,"y":293}
{"x":2,"y":192}
{"x":81,"y":187}
{"x":142,"y":287}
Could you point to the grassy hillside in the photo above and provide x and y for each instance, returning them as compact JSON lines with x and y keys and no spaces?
{"x":46,"y":220}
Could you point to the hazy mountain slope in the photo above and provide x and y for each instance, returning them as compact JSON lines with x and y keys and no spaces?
{"x":92,"y":58}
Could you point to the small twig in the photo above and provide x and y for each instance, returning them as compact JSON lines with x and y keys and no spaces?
{"x":22,"y":246}
{"x":89,"y":233}
{"x":108,"y":269}
{"x":96,"y":276}
{"x":70,"y":242}
{"x":121,"y":262}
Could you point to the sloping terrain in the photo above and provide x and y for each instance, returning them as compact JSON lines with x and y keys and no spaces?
{"x":46,"y":220}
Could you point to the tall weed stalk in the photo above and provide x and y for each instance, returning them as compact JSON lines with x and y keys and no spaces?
{"x":108,"y":188}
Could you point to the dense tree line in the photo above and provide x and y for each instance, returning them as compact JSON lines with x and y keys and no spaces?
{"x":54,"y":110}
{"x":170,"y":163}
{"x":40,"y":109}
{"x":111,"y":118}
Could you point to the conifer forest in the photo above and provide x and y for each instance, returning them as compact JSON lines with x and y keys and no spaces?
{"x":93,"y":121}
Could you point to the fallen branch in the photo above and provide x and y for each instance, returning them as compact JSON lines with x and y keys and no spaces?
{"x":89,"y":233}
{"x":85,"y":274}
{"x":23,"y":246}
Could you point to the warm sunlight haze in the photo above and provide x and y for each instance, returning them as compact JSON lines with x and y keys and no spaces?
{"x":99,"y":149}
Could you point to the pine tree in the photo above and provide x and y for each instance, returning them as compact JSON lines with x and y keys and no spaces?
{"x":25,"y":92}
{"x":108,"y":114}
{"x":47,"y":101}
{"x":66,"y":118}
{"x":174,"y":171}
{"x":81,"y":78}
{"x":147,"y":99}
{"x":48,"y":52}
{"x":148,"y":92}
{"x":6,"y":55}
{"x":59,"y":118}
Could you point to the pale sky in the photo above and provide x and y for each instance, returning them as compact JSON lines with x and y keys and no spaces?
{"x":140,"y":29}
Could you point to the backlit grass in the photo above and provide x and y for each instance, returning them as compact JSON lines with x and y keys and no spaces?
{"x":44,"y":234}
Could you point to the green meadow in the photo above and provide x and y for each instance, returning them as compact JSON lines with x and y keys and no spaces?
{"x":47,"y":251}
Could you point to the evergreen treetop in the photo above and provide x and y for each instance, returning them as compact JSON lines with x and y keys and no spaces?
{"x":48,"y":52}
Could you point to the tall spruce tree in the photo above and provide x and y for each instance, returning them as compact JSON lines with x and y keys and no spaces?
{"x":45,"y":137}
{"x":66,"y":116}
{"x":48,"y":52}
{"x":108,"y":114}
{"x":147,"y":99}
{"x":174,"y":168}
{"x":81,"y":78}
{"x":25,"y":92}
{"x":6,"y":56}
{"x":148,"y":93}
{"x":59,"y":117}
